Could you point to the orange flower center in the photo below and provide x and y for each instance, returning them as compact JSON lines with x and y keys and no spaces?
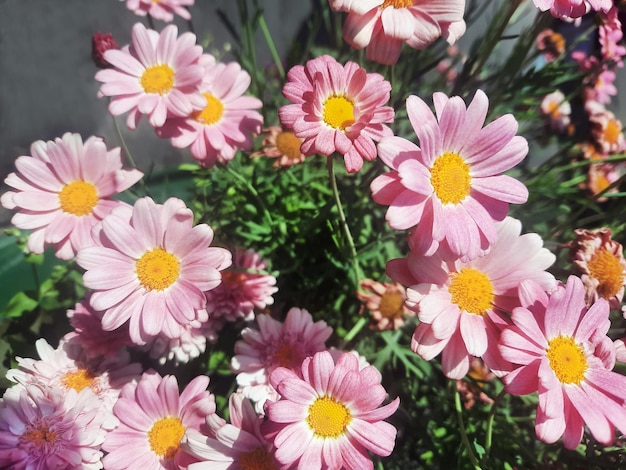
{"x":391,"y":305}
{"x":288,"y":144}
{"x":567,"y":360}
{"x":607,"y":269}
{"x":397,"y":4}
{"x":78,"y":380}
{"x":40,"y":436}
{"x":78,"y":198}
{"x":471,"y":290}
{"x":285,"y":356}
{"x":257,"y":459}
{"x":450,"y":178}
{"x":328,"y":418}
{"x":339,"y":112}
{"x":157,"y":269}
{"x":612,"y":131}
{"x":212,"y":112}
{"x":164,"y":437}
{"x":158,"y":79}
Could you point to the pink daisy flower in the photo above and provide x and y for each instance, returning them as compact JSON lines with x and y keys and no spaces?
{"x":226,"y":123}
{"x":557,"y":110}
{"x":565,"y":9}
{"x":154,"y":417}
{"x":337,"y":108}
{"x":245,"y":287}
{"x":600,"y":261}
{"x":460,"y":304}
{"x":157,"y":75}
{"x":238,"y":445}
{"x":151,"y":268}
{"x":163,"y":10}
{"x":385,"y":301}
{"x":89,"y":335}
{"x":452,"y":187}
{"x":563,"y":352}
{"x":606,"y":128}
{"x":330,"y":416}
{"x":44,"y":429}
{"x":275,"y":344}
{"x":63,"y":190}
{"x":382,"y":26}
{"x":67,"y":368}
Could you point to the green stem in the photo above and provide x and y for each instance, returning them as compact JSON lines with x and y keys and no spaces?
{"x":490,"y":420}
{"x":358,"y":326}
{"x":272,"y":47}
{"x":464,"y":438}
{"x":129,"y":155}
{"x":342,"y":220}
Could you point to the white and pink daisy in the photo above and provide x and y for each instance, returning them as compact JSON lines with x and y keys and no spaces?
{"x":330,"y":415}
{"x":600,"y":261}
{"x":337,"y":108}
{"x":154,"y":417}
{"x":238,"y":445}
{"x":276,"y":344}
{"x":158,"y":75}
{"x":563,"y":352}
{"x":151,"y":268}
{"x":451,"y":186}
{"x":163,"y":10}
{"x":246,"y":287}
{"x":63,"y":190}
{"x":606,"y":128}
{"x":460,"y":304}
{"x":382,"y":26}
{"x":68,"y":368}
{"x":43,"y":429}
{"x":226,"y":123}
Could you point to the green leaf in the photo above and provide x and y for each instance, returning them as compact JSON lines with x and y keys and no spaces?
{"x":18,"y":304}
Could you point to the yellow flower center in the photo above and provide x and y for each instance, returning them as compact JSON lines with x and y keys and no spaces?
{"x":612,"y":131}
{"x":39,"y":436}
{"x":472,"y":291}
{"x":288,"y":144}
{"x":339,"y":112}
{"x":78,"y":197}
{"x":606,"y":268}
{"x":567,"y":359}
{"x":391,"y":304}
{"x":78,"y":380}
{"x":257,"y":459}
{"x":450,"y":178}
{"x":212,"y":112}
{"x":328,"y":418}
{"x":157,"y":79}
{"x":397,"y":4}
{"x":157,"y":269}
{"x":165,"y":435}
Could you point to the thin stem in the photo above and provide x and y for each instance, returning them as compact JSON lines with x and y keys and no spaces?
{"x":464,"y":438}
{"x":358,"y":326}
{"x":490,"y":420}
{"x":252,"y":191}
{"x":272,"y":47}
{"x":342,"y":219}
{"x":129,"y":155}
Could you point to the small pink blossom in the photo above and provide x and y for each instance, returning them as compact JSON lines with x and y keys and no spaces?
{"x":41,"y":428}
{"x":452,"y":186}
{"x":63,"y":190}
{"x":385,"y":302}
{"x":277,"y":344}
{"x":568,"y":9}
{"x":382,"y":26}
{"x":557,"y":110}
{"x":337,"y":108}
{"x":226,"y":123}
{"x":163,"y":10}
{"x":158,"y":75}
{"x":246,"y":287}
{"x":563,"y":352}
{"x":330,"y":414}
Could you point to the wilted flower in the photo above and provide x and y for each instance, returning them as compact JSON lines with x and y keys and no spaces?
{"x":385,"y":301}
{"x":281,"y":144}
{"x":600,"y":260}
{"x":100,"y":43}
{"x":557,"y":110}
